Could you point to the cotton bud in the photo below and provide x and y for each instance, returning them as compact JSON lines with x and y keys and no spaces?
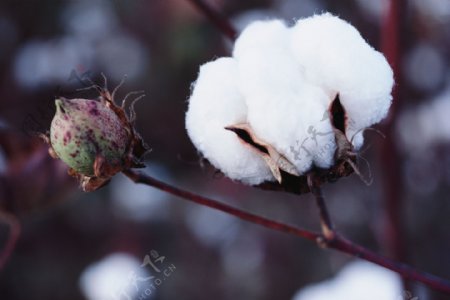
{"x":83,"y":129}
{"x":95,"y":138}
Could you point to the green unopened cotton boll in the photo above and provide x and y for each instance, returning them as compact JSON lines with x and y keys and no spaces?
{"x":82,"y":130}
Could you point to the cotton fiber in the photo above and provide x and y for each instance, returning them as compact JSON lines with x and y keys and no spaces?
{"x":333,"y":55}
{"x":216,"y":103}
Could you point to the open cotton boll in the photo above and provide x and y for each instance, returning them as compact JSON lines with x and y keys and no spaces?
{"x":214,"y":104}
{"x":275,"y":96}
{"x":283,"y":109}
{"x":332,"y":54}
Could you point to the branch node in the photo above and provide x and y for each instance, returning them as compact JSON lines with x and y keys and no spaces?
{"x":322,"y":242}
{"x":328,"y":233}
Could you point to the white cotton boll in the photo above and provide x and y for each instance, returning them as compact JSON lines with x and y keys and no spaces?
{"x":332,"y":54}
{"x":281,"y":81}
{"x":214,"y":104}
{"x":283,"y":109}
{"x":259,"y":35}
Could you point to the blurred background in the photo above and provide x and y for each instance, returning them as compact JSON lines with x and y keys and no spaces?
{"x":127,"y":241}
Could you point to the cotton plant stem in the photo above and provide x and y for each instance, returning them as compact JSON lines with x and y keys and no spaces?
{"x":325,"y":220}
{"x":14,"y":233}
{"x":216,"y":18}
{"x":341,"y":244}
{"x":338,"y":242}
{"x":139,"y":177}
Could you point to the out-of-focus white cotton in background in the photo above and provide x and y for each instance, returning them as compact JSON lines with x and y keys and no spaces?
{"x":357,"y":281}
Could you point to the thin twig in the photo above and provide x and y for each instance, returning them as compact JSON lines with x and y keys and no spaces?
{"x":216,"y":18}
{"x":14,"y":233}
{"x":338,"y":242}
{"x":325,"y":220}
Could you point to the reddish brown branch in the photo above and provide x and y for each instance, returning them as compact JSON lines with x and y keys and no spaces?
{"x":337,"y":242}
{"x":139,"y":177}
{"x":325,"y":220}
{"x":14,"y":232}
{"x":406,"y":271}
{"x":216,"y":18}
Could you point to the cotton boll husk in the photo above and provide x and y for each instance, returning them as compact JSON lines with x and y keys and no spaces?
{"x":281,"y":105}
{"x":214,"y":104}
{"x":332,"y":54}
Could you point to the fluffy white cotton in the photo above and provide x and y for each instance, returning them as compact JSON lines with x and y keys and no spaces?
{"x":357,"y":281}
{"x":332,"y":54}
{"x":281,"y":104}
{"x":216,"y":103}
{"x":282,"y":81}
